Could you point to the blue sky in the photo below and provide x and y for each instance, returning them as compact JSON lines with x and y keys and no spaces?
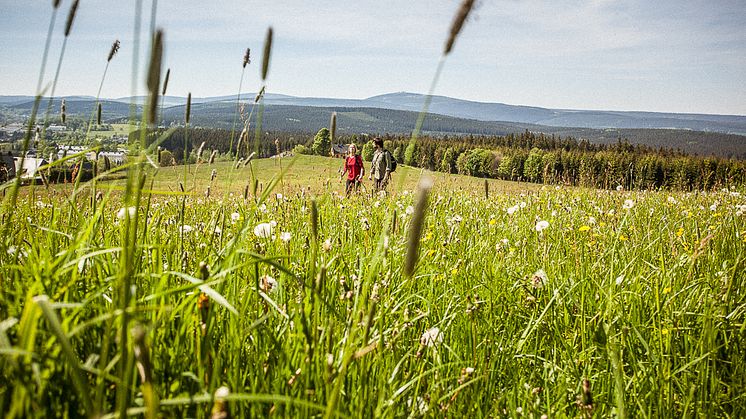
{"x":668,"y":56}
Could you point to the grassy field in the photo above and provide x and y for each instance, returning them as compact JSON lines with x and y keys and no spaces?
{"x":532,"y":301}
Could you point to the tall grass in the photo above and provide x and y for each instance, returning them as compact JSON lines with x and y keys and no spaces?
{"x":557,"y":302}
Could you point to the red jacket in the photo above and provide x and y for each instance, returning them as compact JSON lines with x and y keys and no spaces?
{"x":353,"y":166}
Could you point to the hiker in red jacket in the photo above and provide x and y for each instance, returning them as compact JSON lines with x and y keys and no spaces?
{"x":354,"y":169}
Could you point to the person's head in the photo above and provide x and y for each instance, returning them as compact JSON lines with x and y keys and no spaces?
{"x":378,"y":142}
{"x":352,"y":149}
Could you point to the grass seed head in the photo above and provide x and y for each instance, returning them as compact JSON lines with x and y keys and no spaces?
{"x":314,"y":219}
{"x":415,"y":227}
{"x":199,"y":151}
{"x":165,"y":82}
{"x":458,"y":23}
{"x":71,"y":17}
{"x":247,"y":57}
{"x":154,"y":74}
{"x":113,"y":51}
{"x":56,"y":3}
{"x":267,"y":52}
{"x":333,"y":125}
{"x":187,"y":115}
{"x":63,"y":114}
{"x":98,"y":114}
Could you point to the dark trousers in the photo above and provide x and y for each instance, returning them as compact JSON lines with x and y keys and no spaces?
{"x":352,"y":184}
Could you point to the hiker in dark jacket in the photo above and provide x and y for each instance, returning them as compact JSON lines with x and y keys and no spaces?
{"x":380,"y":171}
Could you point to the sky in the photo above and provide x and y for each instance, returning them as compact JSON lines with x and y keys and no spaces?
{"x":665,"y":55}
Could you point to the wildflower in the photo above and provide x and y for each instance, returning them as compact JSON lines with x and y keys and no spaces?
{"x":263,"y":230}
{"x":522,"y":204}
{"x":714,"y":206}
{"x":268,"y":284}
{"x":186,"y":228}
{"x":512,"y":210}
{"x":584,"y":228}
{"x":542,"y":225}
{"x":672,"y":200}
{"x":285,"y":236}
{"x":628,"y":204}
{"x":493,"y":221}
{"x":235,"y":217}
{"x":422,"y":406}
{"x":366,"y":224}
{"x":619,"y":188}
{"x":431,"y":337}
{"x":409,"y":210}
{"x":591,"y":220}
{"x":127,"y":210}
{"x":619,"y":279}
{"x":539,"y":279}
{"x":218,"y":231}
{"x":279,"y":197}
{"x":327,"y":245}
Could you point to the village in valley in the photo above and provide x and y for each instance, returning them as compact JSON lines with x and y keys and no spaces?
{"x":47,"y":145}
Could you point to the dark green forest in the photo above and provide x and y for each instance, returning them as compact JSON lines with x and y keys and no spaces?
{"x":526,"y":156}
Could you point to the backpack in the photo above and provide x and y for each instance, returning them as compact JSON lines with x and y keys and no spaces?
{"x":393,"y":162}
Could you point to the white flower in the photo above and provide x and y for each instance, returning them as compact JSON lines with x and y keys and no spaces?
{"x":222,"y":393}
{"x":409,"y":210}
{"x":263,"y":208}
{"x":186,"y":228}
{"x":279,"y":197}
{"x":672,"y":200}
{"x":327,"y":245}
{"x":268,"y":284}
{"x":385,"y":242}
{"x":422,"y":406}
{"x":539,"y":279}
{"x":714,"y":207}
{"x":124,"y":211}
{"x":431,"y":337}
{"x":366,"y":224}
{"x":285,"y":236}
{"x":235,"y":217}
{"x":263,"y":230}
{"x":273,"y":223}
{"x":522,"y":204}
{"x":619,"y":188}
{"x":591,"y":220}
{"x":628,"y":204}
{"x":542,"y":225}
{"x":512,"y":210}
{"x":218,"y":230}
{"x":619,"y":279}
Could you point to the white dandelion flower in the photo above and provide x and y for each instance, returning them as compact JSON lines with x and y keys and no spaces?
{"x":285,"y":236}
{"x":268,"y":284}
{"x":539,"y":279}
{"x":263,"y":230}
{"x":431,"y":337}
{"x":132,"y":211}
{"x":628,"y":204}
{"x":512,"y":210}
{"x":542,"y":225}
{"x":186,"y":228}
{"x":235,"y":217}
{"x":327,"y":245}
{"x":409,"y":210}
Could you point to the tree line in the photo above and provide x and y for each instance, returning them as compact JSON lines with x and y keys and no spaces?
{"x":528,"y":156}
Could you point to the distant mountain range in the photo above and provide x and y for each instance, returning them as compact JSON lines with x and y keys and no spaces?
{"x":723,"y":135}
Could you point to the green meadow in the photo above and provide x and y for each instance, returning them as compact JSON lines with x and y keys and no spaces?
{"x":525,"y":300}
